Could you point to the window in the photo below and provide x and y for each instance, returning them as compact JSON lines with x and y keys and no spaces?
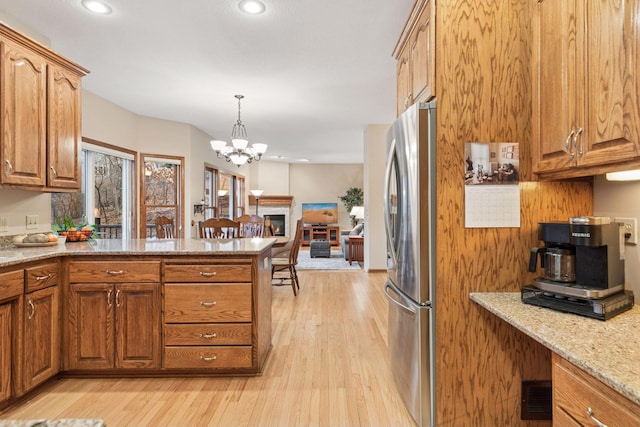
{"x":161,"y":192}
{"x":107,"y":171}
{"x":230,"y":195}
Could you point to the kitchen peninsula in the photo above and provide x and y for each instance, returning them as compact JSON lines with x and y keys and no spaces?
{"x":133,"y":308}
{"x":596,"y":364}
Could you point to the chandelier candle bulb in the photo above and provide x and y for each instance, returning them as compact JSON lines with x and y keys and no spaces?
{"x":238,"y":152}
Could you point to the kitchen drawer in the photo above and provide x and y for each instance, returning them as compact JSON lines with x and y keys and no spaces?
{"x":41,"y":277}
{"x":114,"y":271}
{"x":207,"y":303}
{"x":176,"y":273}
{"x":574,"y":391}
{"x":11,"y":284}
{"x":208,"y":334}
{"x":222,"y":357}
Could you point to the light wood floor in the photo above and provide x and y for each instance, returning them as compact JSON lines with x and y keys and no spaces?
{"x":329,"y":367}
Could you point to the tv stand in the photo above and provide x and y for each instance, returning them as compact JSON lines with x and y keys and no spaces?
{"x":320,"y":232}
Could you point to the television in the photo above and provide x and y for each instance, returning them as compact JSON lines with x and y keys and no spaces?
{"x":320,"y":213}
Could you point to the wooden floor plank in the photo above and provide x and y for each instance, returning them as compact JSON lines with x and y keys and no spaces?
{"x":329,"y":367}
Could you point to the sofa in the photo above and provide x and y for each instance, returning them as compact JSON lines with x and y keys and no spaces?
{"x":358,"y":230}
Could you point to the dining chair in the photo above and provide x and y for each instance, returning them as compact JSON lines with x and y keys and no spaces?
{"x":219,"y":228}
{"x":165,"y":228}
{"x":285,"y":263}
{"x":251,"y":226}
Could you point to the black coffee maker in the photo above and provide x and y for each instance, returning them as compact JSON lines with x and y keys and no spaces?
{"x":582,"y":263}
{"x":583,"y":257}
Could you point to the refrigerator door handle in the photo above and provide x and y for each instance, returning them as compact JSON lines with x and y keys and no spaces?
{"x":404,"y":304}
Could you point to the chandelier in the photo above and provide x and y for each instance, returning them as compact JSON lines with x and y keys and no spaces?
{"x":238,"y":152}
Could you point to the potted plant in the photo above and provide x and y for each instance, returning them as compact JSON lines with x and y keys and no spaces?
{"x":353,"y":197}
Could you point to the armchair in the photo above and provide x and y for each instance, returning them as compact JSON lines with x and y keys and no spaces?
{"x":358,"y":230}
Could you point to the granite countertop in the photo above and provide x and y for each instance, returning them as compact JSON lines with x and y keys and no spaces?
{"x":608,"y":350}
{"x":162,"y":247}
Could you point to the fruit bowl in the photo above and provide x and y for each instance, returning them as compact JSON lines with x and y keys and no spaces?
{"x":76,"y":236}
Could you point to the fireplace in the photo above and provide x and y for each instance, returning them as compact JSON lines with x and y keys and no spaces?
{"x":277,"y":208}
{"x":278,"y":224}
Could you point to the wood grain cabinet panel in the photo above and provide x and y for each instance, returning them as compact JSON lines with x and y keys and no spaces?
{"x":221,"y":357}
{"x":6,"y":348}
{"x":586,"y":106}
{"x":207,"y":273}
{"x":23,"y":103}
{"x":41,"y":338}
{"x":41,"y":276}
{"x":415,"y":52}
{"x":187,"y":303}
{"x":41,"y":116}
{"x":114,"y":315}
{"x":207,"y":334}
{"x":64,"y":130}
{"x":580,"y":399}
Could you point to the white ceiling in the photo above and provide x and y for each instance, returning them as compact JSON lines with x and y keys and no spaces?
{"x":314,"y":73}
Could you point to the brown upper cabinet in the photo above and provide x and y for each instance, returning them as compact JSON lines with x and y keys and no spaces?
{"x":41,"y":116}
{"x":415,"y":52}
{"x":586,"y":109}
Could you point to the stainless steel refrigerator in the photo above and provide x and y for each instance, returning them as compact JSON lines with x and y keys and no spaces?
{"x":410,"y":220}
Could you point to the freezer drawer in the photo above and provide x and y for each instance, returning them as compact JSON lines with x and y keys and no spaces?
{"x":410,"y":347}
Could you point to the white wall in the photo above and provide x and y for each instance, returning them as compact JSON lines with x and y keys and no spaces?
{"x":620,"y":199}
{"x":375,"y":157}
{"x":271,"y":176}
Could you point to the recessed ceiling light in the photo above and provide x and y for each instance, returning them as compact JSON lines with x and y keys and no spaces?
{"x":253,"y":7}
{"x":96,"y":6}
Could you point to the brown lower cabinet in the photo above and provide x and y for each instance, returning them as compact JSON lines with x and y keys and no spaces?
{"x":114,"y":325}
{"x":5,"y":352}
{"x":579,"y":399}
{"x":41,"y":337}
{"x":114,"y":315}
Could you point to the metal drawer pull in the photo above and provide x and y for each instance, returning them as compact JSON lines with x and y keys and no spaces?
{"x":205,"y":274}
{"x":114,"y":272}
{"x":9,"y":169}
{"x":118,"y":298}
{"x":213,"y":335}
{"x":109,"y":292}
{"x":595,"y":420}
{"x":208,"y":359}
{"x":567,"y":144}
{"x":41,"y":278}
{"x":54,"y":172}
{"x":208,"y":304}
{"x":33,"y":310}
{"x":575,"y":142}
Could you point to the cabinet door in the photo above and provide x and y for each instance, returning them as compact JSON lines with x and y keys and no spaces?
{"x":403,"y":82}
{"x":91,"y":326}
{"x":611,"y":85}
{"x":422,"y":56}
{"x":554,"y":76}
{"x":41,"y":337}
{"x":23,"y":103}
{"x":64,"y":130}
{"x":138,"y":320}
{"x":5,"y":351}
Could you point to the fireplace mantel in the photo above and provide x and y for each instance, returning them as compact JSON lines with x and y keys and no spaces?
{"x":271,"y":200}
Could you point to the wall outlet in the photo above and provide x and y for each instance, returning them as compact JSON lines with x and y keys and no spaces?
{"x":4,"y":227}
{"x":630,"y":230}
{"x":32,"y":222}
